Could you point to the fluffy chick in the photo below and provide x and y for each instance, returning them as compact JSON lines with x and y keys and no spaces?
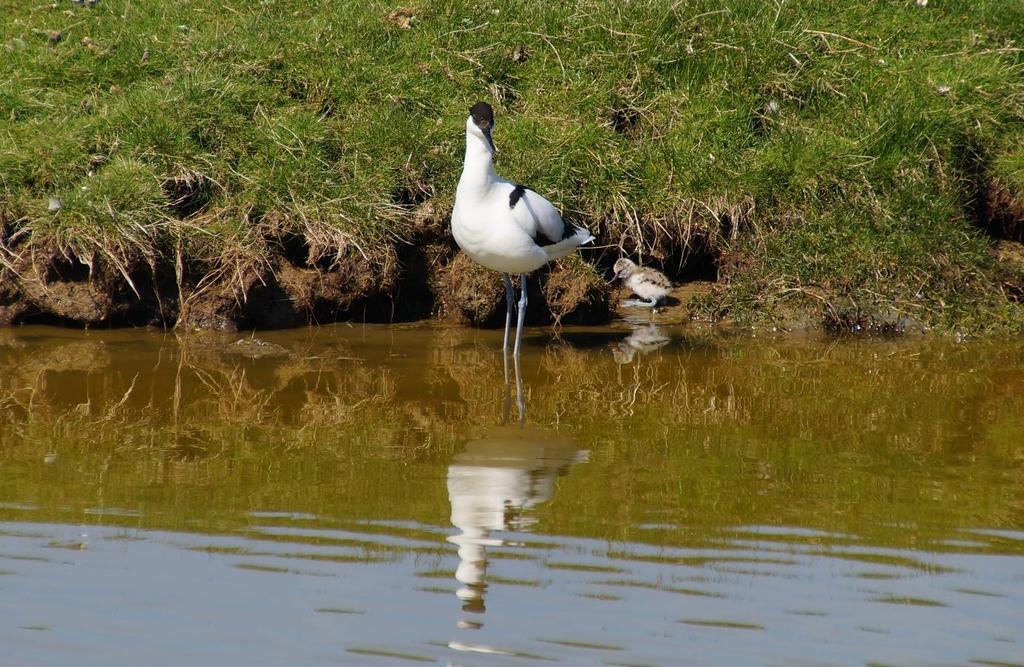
{"x":650,"y":285}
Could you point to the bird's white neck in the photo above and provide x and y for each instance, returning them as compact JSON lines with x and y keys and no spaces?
{"x":478,"y":171}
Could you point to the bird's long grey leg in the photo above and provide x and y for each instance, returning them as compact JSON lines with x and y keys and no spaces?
{"x":522,"y":314}
{"x":510,"y":296}
{"x":506,"y":404}
{"x":520,"y":404}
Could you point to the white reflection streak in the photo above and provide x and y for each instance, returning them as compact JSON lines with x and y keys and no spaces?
{"x":641,"y":339}
{"x":493,"y":485}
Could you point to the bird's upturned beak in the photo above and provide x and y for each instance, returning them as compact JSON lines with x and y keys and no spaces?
{"x":487,"y":135}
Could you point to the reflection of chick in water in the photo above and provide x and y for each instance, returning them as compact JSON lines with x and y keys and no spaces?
{"x":641,"y":339}
{"x":492,"y":486}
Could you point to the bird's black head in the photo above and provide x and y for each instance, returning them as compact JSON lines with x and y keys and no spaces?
{"x":483,"y":115}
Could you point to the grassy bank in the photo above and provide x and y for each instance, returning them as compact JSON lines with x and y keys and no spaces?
{"x":238,"y":163}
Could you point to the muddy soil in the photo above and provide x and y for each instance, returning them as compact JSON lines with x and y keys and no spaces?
{"x":422,"y":281}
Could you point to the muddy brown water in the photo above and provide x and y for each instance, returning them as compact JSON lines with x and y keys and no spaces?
{"x":374,"y":495}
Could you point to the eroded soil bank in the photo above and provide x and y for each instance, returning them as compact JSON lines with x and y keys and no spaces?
{"x":427,"y":278}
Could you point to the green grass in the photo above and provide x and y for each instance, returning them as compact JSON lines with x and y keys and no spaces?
{"x":824,"y":153}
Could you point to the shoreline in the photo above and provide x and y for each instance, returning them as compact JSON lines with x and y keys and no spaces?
{"x":685,"y":307}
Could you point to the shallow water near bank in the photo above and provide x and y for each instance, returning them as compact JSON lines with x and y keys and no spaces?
{"x":379,"y":495}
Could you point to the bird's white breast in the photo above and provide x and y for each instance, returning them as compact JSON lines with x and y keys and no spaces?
{"x":484,"y":229}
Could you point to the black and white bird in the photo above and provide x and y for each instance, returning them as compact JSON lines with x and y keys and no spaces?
{"x":649,"y":284}
{"x":503,"y":225}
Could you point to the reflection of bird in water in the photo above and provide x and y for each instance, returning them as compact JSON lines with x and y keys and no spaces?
{"x":493,"y":485}
{"x":641,"y":339}
{"x":649,"y":284}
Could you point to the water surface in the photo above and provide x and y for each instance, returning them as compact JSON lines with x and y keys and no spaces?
{"x":379,"y":495}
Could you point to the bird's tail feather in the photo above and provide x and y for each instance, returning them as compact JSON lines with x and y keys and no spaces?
{"x":584,"y":236}
{"x":566,"y":246}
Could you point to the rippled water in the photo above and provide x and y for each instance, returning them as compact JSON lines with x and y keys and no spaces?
{"x":379,"y":495}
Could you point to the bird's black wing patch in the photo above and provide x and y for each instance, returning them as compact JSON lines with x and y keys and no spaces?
{"x":516,"y":194}
{"x":568,"y":230}
{"x":540,"y":238}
